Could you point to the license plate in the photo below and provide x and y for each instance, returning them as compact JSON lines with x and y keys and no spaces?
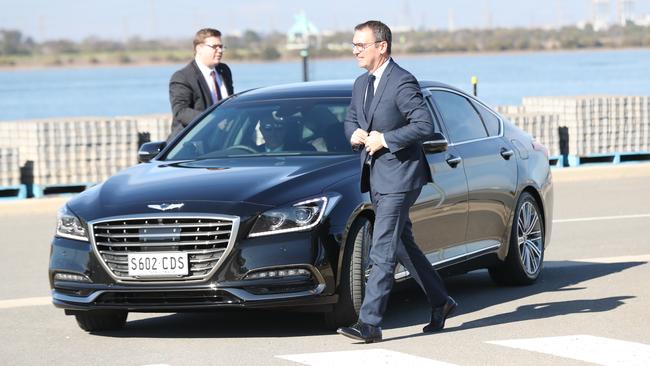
{"x":158,"y":264}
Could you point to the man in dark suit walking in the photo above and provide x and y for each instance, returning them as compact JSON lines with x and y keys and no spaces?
{"x":201,"y":83}
{"x":388,"y":119}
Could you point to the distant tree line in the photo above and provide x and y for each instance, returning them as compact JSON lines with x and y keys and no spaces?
{"x":18,"y":49}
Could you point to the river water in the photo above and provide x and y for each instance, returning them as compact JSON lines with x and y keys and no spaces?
{"x":503,"y":79}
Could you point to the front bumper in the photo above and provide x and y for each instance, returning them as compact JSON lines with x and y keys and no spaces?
{"x":226,"y":287}
{"x":195,"y":298}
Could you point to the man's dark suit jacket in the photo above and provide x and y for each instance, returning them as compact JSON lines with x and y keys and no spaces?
{"x":399,"y":112}
{"x":189,"y":94}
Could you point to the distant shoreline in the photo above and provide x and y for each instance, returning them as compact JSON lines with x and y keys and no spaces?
{"x":401,"y":55}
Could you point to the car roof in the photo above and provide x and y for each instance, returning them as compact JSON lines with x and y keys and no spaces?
{"x":315,"y":89}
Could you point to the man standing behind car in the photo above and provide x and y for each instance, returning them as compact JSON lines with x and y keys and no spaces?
{"x":388,"y":119}
{"x":202,"y":83}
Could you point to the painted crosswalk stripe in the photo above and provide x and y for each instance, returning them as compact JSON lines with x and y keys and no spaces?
{"x":375,"y":357}
{"x":598,"y":350}
{"x":621,"y":259}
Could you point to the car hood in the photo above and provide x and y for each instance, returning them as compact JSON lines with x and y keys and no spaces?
{"x":237,"y":186}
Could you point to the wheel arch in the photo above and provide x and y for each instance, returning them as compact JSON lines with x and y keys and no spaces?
{"x":540,"y":204}
{"x":363,"y":210}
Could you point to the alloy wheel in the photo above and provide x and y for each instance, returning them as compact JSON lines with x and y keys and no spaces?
{"x":529,"y":238}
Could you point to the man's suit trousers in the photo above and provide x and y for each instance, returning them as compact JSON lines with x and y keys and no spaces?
{"x":392,"y":242}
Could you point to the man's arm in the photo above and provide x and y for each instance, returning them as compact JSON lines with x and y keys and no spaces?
{"x":350,"y":125}
{"x":181,"y":98}
{"x":411,"y":104}
{"x":353,"y":133}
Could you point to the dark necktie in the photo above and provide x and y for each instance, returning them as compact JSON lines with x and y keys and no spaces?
{"x":370,"y":92}
{"x":217,"y":89}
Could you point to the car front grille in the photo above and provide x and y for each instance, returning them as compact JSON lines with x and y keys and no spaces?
{"x":205,"y":240}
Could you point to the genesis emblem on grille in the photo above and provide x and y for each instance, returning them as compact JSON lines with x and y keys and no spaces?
{"x":166,"y":206}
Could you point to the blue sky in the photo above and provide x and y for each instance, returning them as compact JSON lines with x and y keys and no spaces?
{"x":121,"y":19}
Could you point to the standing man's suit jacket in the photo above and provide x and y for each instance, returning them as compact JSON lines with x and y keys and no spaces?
{"x":189,"y":94}
{"x":399,"y":112}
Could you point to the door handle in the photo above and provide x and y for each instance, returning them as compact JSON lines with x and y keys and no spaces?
{"x":506,"y":154}
{"x":453,"y":161}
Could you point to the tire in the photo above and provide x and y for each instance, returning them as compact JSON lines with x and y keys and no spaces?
{"x":353,"y":275}
{"x":98,"y":320}
{"x":525,"y":259}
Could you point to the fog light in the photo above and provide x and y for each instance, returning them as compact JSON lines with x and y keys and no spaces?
{"x":288,"y":272}
{"x":59,"y":276}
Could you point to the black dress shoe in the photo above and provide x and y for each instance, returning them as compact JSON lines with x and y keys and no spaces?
{"x":439,"y":314}
{"x":361,"y":332}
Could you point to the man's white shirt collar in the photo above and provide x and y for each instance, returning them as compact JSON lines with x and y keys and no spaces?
{"x":204,"y":69}
{"x":379,"y":72}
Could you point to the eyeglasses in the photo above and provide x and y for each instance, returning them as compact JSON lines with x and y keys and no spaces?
{"x":268,"y":126}
{"x":362,"y":46}
{"x":216,"y":46}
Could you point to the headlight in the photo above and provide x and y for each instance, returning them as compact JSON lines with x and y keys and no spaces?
{"x":298,"y":217}
{"x":69,"y":226}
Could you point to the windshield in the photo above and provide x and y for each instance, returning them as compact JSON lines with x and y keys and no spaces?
{"x":276,"y":127}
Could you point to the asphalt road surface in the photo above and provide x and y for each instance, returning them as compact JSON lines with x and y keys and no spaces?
{"x":591,"y":305}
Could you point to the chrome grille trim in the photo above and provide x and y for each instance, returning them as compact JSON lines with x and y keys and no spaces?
{"x":203,"y":262}
{"x":127,"y":226}
{"x":194,"y":233}
{"x":114,"y":261}
{"x":199,"y":252}
{"x":165,"y":243}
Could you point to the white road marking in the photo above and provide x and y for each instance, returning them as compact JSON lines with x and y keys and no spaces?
{"x":375,"y":357}
{"x":28,"y":301}
{"x":620,"y":217}
{"x":621,"y":259}
{"x":598,"y":350}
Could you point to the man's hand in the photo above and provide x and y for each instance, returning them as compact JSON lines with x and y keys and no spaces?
{"x":359,"y":137}
{"x":374,"y":142}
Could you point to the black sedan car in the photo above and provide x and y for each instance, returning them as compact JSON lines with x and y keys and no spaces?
{"x":257,"y":205}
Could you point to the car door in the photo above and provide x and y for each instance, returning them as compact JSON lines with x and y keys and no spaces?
{"x":489,"y":163}
{"x":440,"y":214}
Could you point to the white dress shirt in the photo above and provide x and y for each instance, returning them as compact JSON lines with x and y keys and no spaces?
{"x":208,"y":79}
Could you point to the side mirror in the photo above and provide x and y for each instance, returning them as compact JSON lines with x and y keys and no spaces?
{"x":437,"y":143}
{"x":149,"y":150}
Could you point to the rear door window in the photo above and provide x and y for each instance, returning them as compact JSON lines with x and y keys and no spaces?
{"x":459,"y":116}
